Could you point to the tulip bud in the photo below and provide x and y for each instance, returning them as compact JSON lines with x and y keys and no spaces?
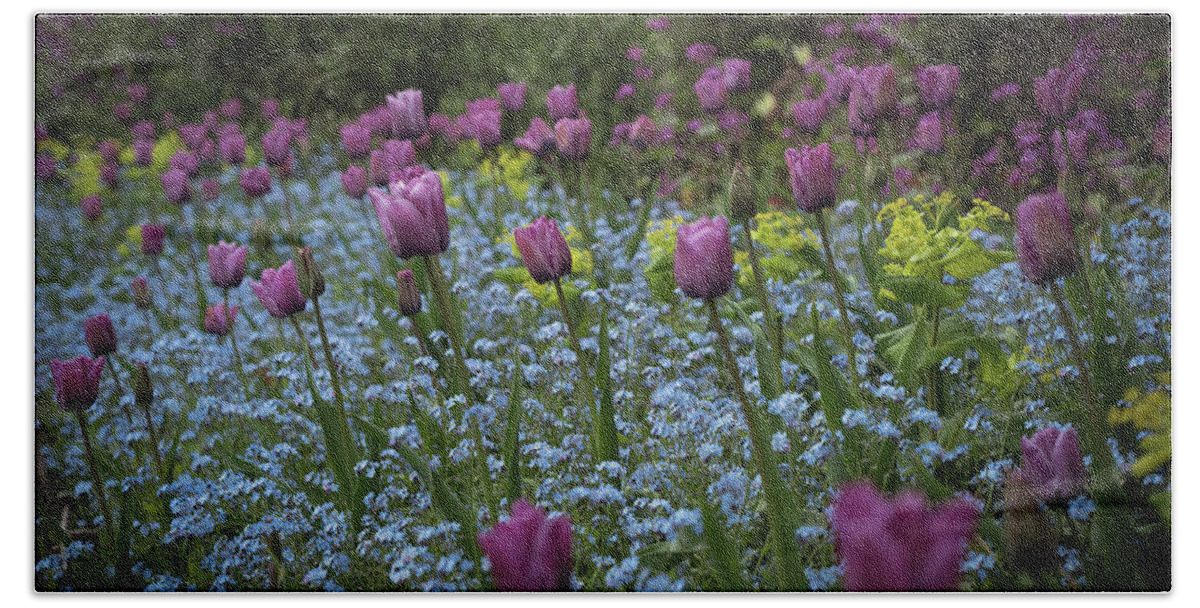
{"x":143,"y":152}
{"x":704,"y":258}
{"x":312,"y":281}
{"x":277,"y":147}
{"x":1053,"y":465}
{"x":92,"y":207}
{"x":143,"y":389}
{"x":512,"y":96}
{"x":736,"y":74}
{"x":356,"y":140}
{"x":269,"y":108}
{"x":407,"y":296}
{"x":711,"y":93}
{"x":141,"y":294}
{"x":938,"y":85}
{"x":529,"y":551}
{"x":1057,"y":93}
{"x":544,"y":250}
{"x":110,"y":175}
{"x":255,"y":181}
{"x":210,"y":189}
{"x":76,"y":382}
{"x":354,"y":181}
{"x":218,"y":320}
{"x":153,"y":236}
{"x":928,"y":136}
{"x":809,"y":114}
{"x":407,"y":109}
{"x":562,"y":103}
{"x":100,"y":336}
{"x":176,"y":186}
{"x":109,"y":151}
{"x":193,"y":136}
{"x":814,"y":181}
{"x":232,"y":146}
{"x":573,"y":137}
{"x":743,"y":204}
{"x":1045,"y":239}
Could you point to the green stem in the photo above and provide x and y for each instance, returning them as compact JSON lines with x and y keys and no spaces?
{"x":774,"y":327}
{"x":847,"y":328}
{"x":450,"y":323}
{"x":237,"y":356}
{"x":935,"y":376}
{"x":1097,"y":430}
{"x":97,"y":480}
{"x":333,"y":372}
{"x":789,"y":573}
{"x":604,"y":448}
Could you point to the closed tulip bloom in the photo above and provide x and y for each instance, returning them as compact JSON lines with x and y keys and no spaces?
{"x":185,"y":161}
{"x":1045,"y":239}
{"x":411,"y":229}
{"x":573,"y":137}
{"x":210,"y":189}
{"x":381,"y":166}
{"x":485,"y":128}
{"x":356,"y":140}
{"x":141,"y":293}
{"x":1077,"y":146}
{"x":643,"y":133}
{"x":218,"y":320}
{"x":814,"y":180}
{"x":153,"y":236}
{"x":226,"y":264}
{"x":193,"y":135}
{"x":530,"y":551}
{"x":625,"y":91}
{"x":110,"y":175}
{"x":704,"y":258}
{"x":875,"y":87}
{"x":45,"y":167}
{"x":407,"y":110}
{"x":407,"y":296}
{"x":402,"y":153}
{"x":512,"y":96}
{"x":76,"y":382}
{"x":143,"y":152}
{"x":279,"y":291}
{"x":701,"y":52}
{"x":92,"y":207}
{"x":424,"y":189}
{"x":137,"y":92}
{"x":231,"y":108}
{"x":736,"y":74}
{"x":255,"y":181}
{"x":122,"y":112}
{"x":232,"y":147}
{"x":711,"y":93}
{"x":270,"y":109}
{"x":544,"y":250}
{"x":539,"y":138}
{"x":109,"y":151}
{"x":144,"y":129}
{"x":277,"y":147}
{"x":354,"y":180}
{"x":938,"y":85}
{"x":176,"y":186}
{"x":928,"y":135}
{"x":900,"y":544}
{"x":562,"y":103}
{"x":810,"y":113}
{"x":1057,"y":93}
{"x":1053,"y":464}
{"x":99,"y":334}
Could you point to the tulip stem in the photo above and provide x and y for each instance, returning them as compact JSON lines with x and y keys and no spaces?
{"x":603,"y":444}
{"x":437,"y":281}
{"x":847,"y":328}
{"x":1097,"y":431}
{"x":788,"y":570}
{"x":237,"y":356}
{"x":774,"y":327}
{"x":97,"y":480}
{"x":120,"y":390}
{"x":333,"y":373}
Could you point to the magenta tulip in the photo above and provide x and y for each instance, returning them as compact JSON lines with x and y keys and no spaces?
{"x":153,"y":237}
{"x":219,"y":320}
{"x":76,"y":382}
{"x":407,"y":110}
{"x":530,"y":551}
{"x":573,"y":137}
{"x":99,"y":334}
{"x":512,"y":96}
{"x":544,"y":250}
{"x":279,"y":291}
{"x":1045,"y":239}
{"x":255,"y":181}
{"x":704,"y":258}
{"x":92,"y":207}
{"x":814,"y":180}
{"x":1053,"y":464}
{"x":562,"y":103}
{"x":226,"y":264}
{"x":354,"y":181}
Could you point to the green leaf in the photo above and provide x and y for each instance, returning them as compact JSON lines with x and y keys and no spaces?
{"x":512,"y":436}
{"x":969,"y":260}
{"x":993,"y":362}
{"x":920,"y":291}
{"x":770,"y":374}
{"x":721,"y":550}
{"x":605,"y":426}
{"x":836,"y":397}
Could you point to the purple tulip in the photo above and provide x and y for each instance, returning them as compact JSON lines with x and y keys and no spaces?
{"x":143,"y":129}
{"x":109,"y":151}
{"x":99,"y":334}
{"x":938,"y":85}
{"x":354,"y":181}
{"x":512,"y":96}
{"x":736,"y":74}
{"x":76,"y":382}
{"x":538,"y":140}
{"x":92,"y":207}
{"x":1057,"y":93}
{"x":1053,"y":464}
{"x":255,"y":181}
{"x":485,"y":128}
{"x":408,"y":298}
{"x":185,"y":161}
{"x":1006,"y":90}
{"x":1077,"y":146}
{"x":226,"y":264}
{"x":276,"y":146}
{"x":279,"y":291}
{"x":624,"y":92}
{"x":141,"y":293}
{"x":544,"y":250}
{"x":380,"y":166}
{"x":110,"y":175}
{"x":643,"y":133}
{"x":701,"y":52}
{"x":122,"y":111}
{"x":401,"y":152}
{"x":573,"y":137}
{"x":875,"y":88}
{"x":45,"y":167}
{"x":1045,"y":239}
{"x":809,"y":114}
{"x":901,"y":544}
{"x":270,"y":109}
{"x":176,"y":186}
{"x":143,"y":152}
{"x":664,"y":101}
{"x":659,"y":24}
{"x":210,"y":189}
{"x":704,"y":258}
{"x":153,"y":236}
{"x":233,"y":148}
{"x":711,"y":93}
{"x":356,"y":140}
{"x":137,"y":92}
{"x":814,"y":180}
{"x":231,"y":108}
{"x":407,"y":110}
{"x":413,"y":216}
{"x":643,"y":72}
{"x":439,"y":124}
{"x":530,"y":551}
{"x":928,"y":135}
{"x":219,"y":320}
{"x":562,"y":103}
{"x":193,"y":135}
